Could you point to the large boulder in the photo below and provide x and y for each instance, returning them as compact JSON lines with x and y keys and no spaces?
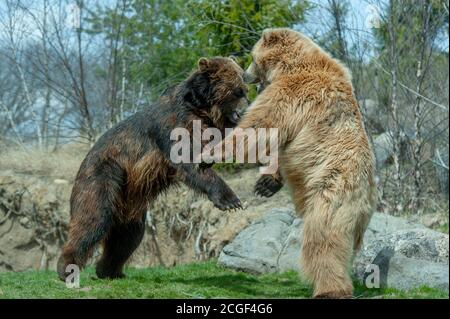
{"x":269,"y":244}
{"x":383,"y":146}
{"x":407,"y":255}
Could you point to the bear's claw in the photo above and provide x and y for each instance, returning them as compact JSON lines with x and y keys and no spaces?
{"x":267,"y":186}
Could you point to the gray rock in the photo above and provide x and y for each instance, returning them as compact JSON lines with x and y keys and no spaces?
{"x":369,"y":108}
{"x":396,"y":270}
{"x":418,"y":243}
{"x":383,"y":148}
{"x":264,"y":244}
{"x":375,"y":118}
{"x":407,"y":273}
{"x":408,"y":255}
{"x":433,"y":220}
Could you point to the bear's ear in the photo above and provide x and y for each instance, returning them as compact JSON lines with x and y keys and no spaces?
{"x":271,"y":36}
{"x":203,"y":64}
{"x":267,"y":35}
{"x":233,"y":57}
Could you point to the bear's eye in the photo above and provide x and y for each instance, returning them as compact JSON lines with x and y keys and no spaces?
{"x":239,"y":93}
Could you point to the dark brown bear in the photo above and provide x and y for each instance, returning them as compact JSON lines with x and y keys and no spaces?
{"x":129,"y":166}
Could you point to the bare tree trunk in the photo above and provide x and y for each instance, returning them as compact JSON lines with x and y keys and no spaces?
{"x":336,"y":10}
{"x":420,"y":73}
{"x":15,"y":52}
{"x":58,"y":125}
{"x":394,"y":106}
{"x":18,"y":139}
{"x":113,"y":63}
{"x":122,"y":99}
{"x":30,"y":103}
{"x":112,"y":87}
{"x":46,"y":108}
{"x":82,"y":93}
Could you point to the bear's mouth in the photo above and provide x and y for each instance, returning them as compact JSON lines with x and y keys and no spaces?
{"x":259,"y":87}
{"x":250,"y":78}
{"x":234,"y":117}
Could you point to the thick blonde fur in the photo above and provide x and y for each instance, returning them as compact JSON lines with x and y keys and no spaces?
{"x":325,"y":157}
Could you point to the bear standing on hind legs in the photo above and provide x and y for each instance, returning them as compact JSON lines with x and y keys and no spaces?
{"x":324,"y":154}
{"x":130,"y":165}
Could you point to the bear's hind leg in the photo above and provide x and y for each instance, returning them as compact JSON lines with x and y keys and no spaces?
{"x":94,"y":202}
{"x":84,"y":234}
{"x":118,"y":246}
{"x":327,"y":248}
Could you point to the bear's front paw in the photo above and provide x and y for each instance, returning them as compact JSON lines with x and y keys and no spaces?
{"x":225,"y":200}
{"x":267,"y":185}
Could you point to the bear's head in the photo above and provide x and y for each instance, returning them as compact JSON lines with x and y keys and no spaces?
{"x":277,"y":51}
{"x":217,"y":90}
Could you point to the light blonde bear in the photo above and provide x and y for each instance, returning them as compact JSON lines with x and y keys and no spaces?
{"x":324,"y":154}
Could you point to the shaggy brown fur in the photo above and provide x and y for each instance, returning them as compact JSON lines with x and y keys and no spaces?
{"x":130,"y":166}
{"x":325,"y":157}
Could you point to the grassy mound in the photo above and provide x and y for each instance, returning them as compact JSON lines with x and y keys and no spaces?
{"x":200,"y":280}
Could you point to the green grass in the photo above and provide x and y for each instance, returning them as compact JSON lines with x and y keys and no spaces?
{"x":443,"y":228}
{"x":201,"y":280}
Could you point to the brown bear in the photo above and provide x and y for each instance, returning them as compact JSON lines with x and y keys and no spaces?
{"x":324,"y":154}
{"x":130,"y":165}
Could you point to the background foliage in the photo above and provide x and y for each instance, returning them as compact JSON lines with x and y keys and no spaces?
{"x":70,"y":69}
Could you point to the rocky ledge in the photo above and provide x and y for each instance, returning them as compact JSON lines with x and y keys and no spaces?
{"x":407,"y":255}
